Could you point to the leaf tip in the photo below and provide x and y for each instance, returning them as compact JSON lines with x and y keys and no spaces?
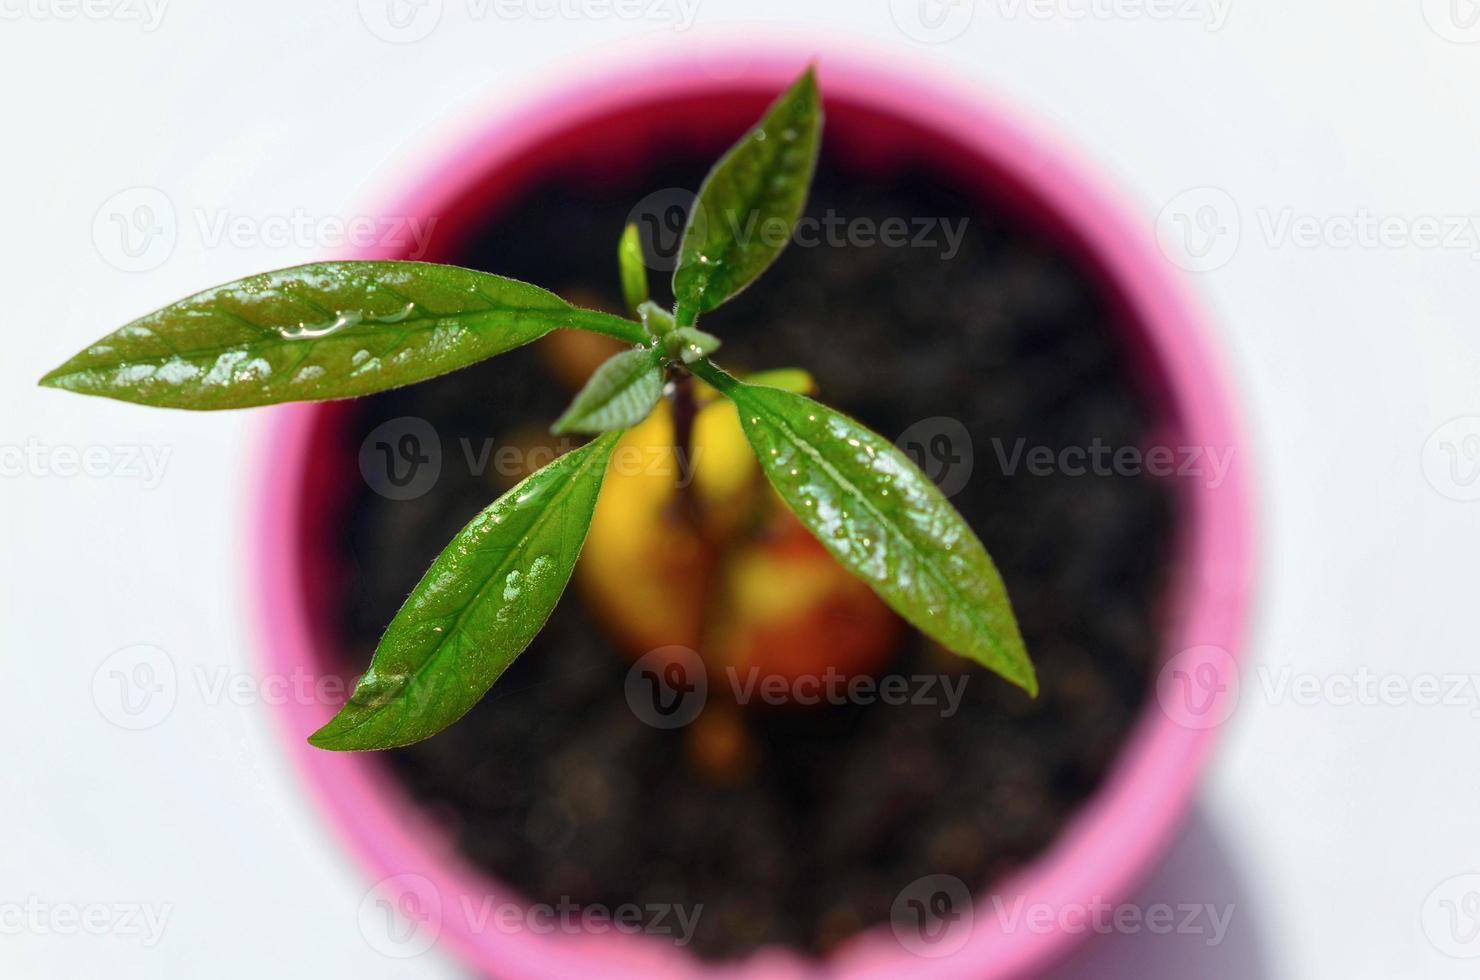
{"x":806,"y":84}
{"x":55,"y":378}
{"x":1018,"y":668}
{"x":326,"y":738}
{"x":345,"y":733}
{"x":569,"y":423}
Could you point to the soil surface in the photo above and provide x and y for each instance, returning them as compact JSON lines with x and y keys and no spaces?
{"x":555,"y":786}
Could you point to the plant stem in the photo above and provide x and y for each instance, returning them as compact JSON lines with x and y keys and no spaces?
{"x":719,"y":746}
{"x":685,"y":409}
{"x":708,"y":372}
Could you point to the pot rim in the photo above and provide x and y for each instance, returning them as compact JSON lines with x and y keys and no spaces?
{"x":1108,"y":845}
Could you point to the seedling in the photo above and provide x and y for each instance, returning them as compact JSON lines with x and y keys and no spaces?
{"x":339,"y":329}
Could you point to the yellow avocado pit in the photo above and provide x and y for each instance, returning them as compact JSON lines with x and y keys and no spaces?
{"x":729,"y":573}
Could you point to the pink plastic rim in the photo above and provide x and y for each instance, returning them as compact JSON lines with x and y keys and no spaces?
{"x":1110,"y":843}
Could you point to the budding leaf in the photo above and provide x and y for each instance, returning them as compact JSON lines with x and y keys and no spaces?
{"x":476,"y":609}
{"x":883,"y":520}
{"x":689,"y":344}
{"x":620,"y":393}
{"x":632,"y":268}
{"x":749,"y":204}
{"x":326,"y":330}
{"x":655,"y":320}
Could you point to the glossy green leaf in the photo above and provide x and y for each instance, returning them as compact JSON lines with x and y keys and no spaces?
{"x":476,"y":609}
{"x":884,"y":520}
{"x":327,"y":330}
{"x":620,"y":393}
{"x":749,"y":204}
{"x":689,"y":344}
{"x":632,"y":268}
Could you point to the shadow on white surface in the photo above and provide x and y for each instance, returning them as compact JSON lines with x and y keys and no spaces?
{"x":1198,"y":871}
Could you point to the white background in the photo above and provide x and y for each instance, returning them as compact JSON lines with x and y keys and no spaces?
{"x":1327,"y":824}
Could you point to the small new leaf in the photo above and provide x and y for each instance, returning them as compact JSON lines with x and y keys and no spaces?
{"x":476,"y":609}
{"x":633,"y":269}
{"x":749,"y":204}
{"x":326,"y":330}
{"x":884,"y":520}
{"x":620,"y":393}
{"x":655,"y":320}
{"x":689,"y":344}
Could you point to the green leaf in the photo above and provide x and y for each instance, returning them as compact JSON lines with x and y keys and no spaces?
{"x":633,"y":270}
{"x":749,"y":204}
{"x":620,"y":393}
{"x":657,"y":321}
{"x":327,"y":330}
{"x":689,"y":344}
{"x":476,"y":609}
{"x":884,"y":520}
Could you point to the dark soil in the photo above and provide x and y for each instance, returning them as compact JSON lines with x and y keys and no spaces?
{"x":554,"y":786}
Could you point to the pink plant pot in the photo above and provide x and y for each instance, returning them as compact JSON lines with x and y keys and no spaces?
{"x":604,"y":122}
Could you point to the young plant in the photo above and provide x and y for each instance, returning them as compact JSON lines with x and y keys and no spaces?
{"x":339,"y":329}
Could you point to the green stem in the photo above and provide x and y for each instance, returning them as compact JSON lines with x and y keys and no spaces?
{"x":713,"y":375}
{"x":613,"y":326}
